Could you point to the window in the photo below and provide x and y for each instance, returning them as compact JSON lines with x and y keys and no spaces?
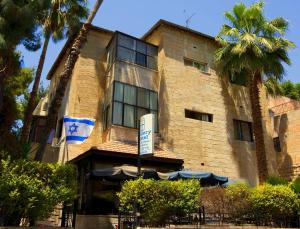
{"x":129,"y":103}
{"x":136,"y":51}
{"x":203,"y":67}
{"x":277,"y":145}
{"x":198,"y":116}
{"x":243,"y":130}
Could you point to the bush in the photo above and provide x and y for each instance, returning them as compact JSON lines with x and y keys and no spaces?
{"x":273,"y":203}
{"x":215,"y":202}
{"x":277,"y":180}
{"x":31,"y":190}
{"x":238,"y":199}
{"x":158,"y":200}
{"x":295,"y":185}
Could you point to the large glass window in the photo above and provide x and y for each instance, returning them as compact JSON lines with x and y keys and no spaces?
{"x":130,"y":103}
{"x":136,"y":51}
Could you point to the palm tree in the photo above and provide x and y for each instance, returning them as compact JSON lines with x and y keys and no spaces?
{"x":64,"y":78}
{"x":253,"y":45}
{"x":273,"y":86}
{"x":60,"y":20}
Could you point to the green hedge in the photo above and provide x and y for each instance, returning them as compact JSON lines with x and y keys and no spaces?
{"x":158,"y":200}
{"x":31,"y":189}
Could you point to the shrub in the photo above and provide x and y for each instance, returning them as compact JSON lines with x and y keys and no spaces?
{"x":277,"y":180}
{"x":238,"y":199}
{"x":158,"y":200}
{"x":295,"y":185}
{"x":273,"y":203}
{"x":31,"y":190}
{"x":215,"y":202}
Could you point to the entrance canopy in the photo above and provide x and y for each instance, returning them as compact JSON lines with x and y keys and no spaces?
{"x":130,"y":172}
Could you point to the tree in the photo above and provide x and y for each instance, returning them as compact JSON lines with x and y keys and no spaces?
{"x":291,"y":90}
{"x":31,"y":190}
{"x":273,"y":86}
{"x":63,"y":18}
{"x":15,"y":87}
{"x":253,"y":45}
{"x":64,"y":78}
{"x":18,"y":26}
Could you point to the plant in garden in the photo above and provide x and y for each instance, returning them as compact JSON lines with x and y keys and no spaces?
{"x":273,"y":203}
{"x":277,"y":180}
{"x":158,"y":200}
{"x":31,"y":190}
{"x":295,"y":185}
{"x":215,"y":201}
{"x":238,"y":197}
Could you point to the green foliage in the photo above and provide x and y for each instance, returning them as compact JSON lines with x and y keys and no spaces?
{"x":238,"y":200}
{"x":63,"y":18}
{"x":295,"y":185}
{"x":291,"y":90}
{"x":273,"y":202}
{"x":251,"y":43}
{"x":157,"y":200}
{"x":31,"y":189}
{"x":15,"y":88}
{"x":277,"y":180}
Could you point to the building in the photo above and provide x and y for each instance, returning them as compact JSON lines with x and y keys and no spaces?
{"x":285,"y":113}
{"x":203,"y":121}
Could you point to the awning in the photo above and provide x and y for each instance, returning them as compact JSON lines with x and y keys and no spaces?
{"x":206,"y":179}
{"x":130,"y":172}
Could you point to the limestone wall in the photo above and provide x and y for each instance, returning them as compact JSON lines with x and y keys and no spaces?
{"x":204,"y":146}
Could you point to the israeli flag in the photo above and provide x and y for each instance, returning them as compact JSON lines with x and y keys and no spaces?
{"x":78,"y":129}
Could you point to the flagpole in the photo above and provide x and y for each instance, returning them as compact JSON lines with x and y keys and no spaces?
{"x":139,"y":152}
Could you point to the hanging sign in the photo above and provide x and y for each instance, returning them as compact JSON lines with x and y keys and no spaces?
{"x":147,"y":135}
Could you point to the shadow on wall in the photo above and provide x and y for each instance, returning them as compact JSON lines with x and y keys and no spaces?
{"x":237,"y":103}
{"x":284,"y":160}
{"x":164,"y":113}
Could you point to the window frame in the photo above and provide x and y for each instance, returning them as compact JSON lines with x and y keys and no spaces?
{"x":241,"y":135}
{"x":185,"y":60}
{"x":136,"y":52}
{"x":210,"y":116}
{"x":136,"y":107}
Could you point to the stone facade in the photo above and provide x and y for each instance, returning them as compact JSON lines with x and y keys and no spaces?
{"x":286,"y":122}
{"x":204,"y":146}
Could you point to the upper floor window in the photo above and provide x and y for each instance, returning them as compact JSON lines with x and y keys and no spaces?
{"x":198,"y":116}
{"x":203,"y":67}
{"x":243,"y":130}
{"x":133,"y":50}
{"x":129,"y":103}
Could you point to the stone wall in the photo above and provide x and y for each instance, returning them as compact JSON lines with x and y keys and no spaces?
{"x":205,"y":146}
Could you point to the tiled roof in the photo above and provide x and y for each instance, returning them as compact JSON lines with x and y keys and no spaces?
{"x":131,"y":148}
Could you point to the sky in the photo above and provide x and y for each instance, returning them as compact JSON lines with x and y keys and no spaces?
{"x":136,"y":17}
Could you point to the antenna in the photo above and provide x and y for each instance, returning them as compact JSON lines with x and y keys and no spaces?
{"x":188,"y":20}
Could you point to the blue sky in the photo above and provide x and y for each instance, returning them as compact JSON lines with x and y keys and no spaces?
{"x":135,"y":17}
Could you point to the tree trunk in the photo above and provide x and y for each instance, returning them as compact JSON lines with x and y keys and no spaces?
{"x":64,"y":78}
{"x":255,"y":83}
{"x":33,"y":95}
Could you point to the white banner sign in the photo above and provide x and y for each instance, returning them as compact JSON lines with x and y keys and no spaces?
{"x":147,"y":134}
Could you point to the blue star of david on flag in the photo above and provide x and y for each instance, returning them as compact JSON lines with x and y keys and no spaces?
{"x":78,"y":129}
